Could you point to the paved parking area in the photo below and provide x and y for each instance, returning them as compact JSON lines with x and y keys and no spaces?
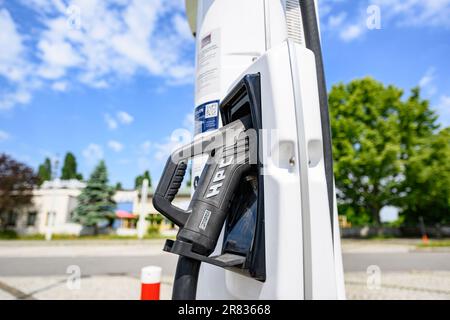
{"x":37,"y":270}
{"x":393,"y":286}
{"x":413,"y":285}
{"x":91,"y":288}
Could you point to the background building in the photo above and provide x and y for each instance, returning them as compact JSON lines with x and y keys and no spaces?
{"x":55,"y":201}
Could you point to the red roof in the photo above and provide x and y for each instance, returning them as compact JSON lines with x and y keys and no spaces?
{"x":122,"y":214}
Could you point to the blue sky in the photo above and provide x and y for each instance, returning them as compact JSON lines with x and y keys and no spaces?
{"x":113,"y":79}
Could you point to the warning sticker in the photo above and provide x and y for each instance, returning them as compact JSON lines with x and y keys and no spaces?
{"x":208,"y":64}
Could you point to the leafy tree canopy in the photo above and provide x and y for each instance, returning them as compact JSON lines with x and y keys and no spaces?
{"x":427,"y":184}
{"x":16,"y":183}
{"x":376,"y":136}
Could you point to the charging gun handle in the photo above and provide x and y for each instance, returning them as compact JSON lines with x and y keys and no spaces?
{"x":176,"y":167}
{"x":167,"y":189}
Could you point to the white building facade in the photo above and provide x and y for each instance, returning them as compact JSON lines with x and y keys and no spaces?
{"x":54,"y":202}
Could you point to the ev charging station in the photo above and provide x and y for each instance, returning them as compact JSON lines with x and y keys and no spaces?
{"x":262,"y":223}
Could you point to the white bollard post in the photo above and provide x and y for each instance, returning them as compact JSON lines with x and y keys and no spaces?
{"x":151,"y":283}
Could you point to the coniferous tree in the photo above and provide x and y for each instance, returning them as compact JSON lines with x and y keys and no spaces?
{"x":69,"y":170}
{"x":139,"y":179}
{"x":45,"y":171}
{"x":95,"y":203}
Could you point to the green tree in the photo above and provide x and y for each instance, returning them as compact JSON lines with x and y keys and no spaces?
{"x":118,"y":186}
{"x":16,"y":184}
{"x":375,"y":133}
{"x":427,"y":183}
{"x":95,"y":203}
{"x":140,"y":179}
{"x":45,"y":171}
{"x":69,"y":170}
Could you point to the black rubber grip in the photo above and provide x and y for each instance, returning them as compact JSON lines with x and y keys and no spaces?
{"x":176,"y":182}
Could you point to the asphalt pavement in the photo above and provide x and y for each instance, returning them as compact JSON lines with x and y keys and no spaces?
{"x":131,"y":265}
{"x":110,"y":270}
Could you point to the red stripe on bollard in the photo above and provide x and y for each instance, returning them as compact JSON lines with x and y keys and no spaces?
{"x":150,"y":291}
{"x":150,"y":283}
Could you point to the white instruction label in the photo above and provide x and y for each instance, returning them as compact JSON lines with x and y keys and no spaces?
{"x":205,"y":219}
{"x":208,"y":64}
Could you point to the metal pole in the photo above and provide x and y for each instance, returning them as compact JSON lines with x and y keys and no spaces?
{"x":143,"y":211}
{"x":52,"y":212}
{"x":50,"y":223}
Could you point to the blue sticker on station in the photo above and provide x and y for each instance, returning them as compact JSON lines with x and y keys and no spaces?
{"x":207,"y":117}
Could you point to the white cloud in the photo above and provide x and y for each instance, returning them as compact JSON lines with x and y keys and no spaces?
{"x":427,"y":82}
{"x":121,"y":117}
{"x":124,"y":117}
{"x":60,"y":86}
{"x":427,"y":78}
{"x":57,"y":56}
{"x":4,"y":135}
{"x":45,"y":6}
{"x":445,"y":102}
{"x":189,"y":121}
{"x":182,"y":27}
{"x":348,"y":18}
{"x":124,"y":41}
{"x":325,"y":7}
{"x":418,"y":13}
{"x":112,"y":41}
{"x":335,"y":21}
{"x":164,"y":150}
{"x":178,"y":138}
{"x":93,"y":153}
{"x":351,"y":32}
{"x":428,"y":85}
{"x":116,"y":146}
{"x":110,"y":121}
{"x":10,"y":99}
{"x":443,"y":109}
{"x":14,"y":68}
